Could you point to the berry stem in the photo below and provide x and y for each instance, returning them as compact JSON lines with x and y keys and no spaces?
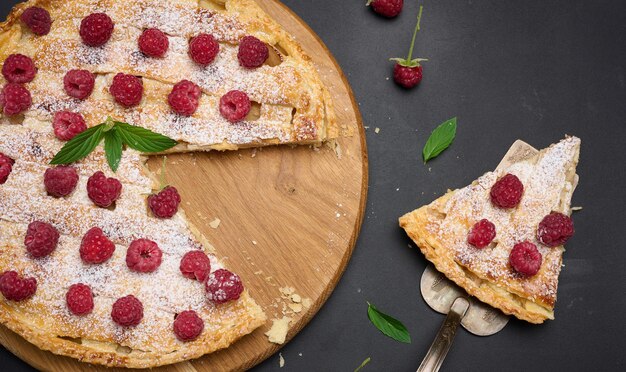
{"x":417,"y":28}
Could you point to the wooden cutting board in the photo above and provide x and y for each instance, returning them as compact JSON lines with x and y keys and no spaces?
{"x":289,"y":217}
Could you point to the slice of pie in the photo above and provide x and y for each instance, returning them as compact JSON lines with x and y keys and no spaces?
{"x":501,"y":238}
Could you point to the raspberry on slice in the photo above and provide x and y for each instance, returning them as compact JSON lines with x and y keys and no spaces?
{"x":153,"y":42}
{"x":482,"y":233}
{"x":127,"y":89}
{"x":525,"y":259}
{"x":143,"y":256}
{"x":127,"y":311}
{"x":188,"y":326}
{"x":79,"y":83}
{"x":96,"y":29}
{"x":14,"y":99}
{"x":41,"y":239}
{"x":507,"y":191}
{"x":235,"y":105}
{"x":555,"y":229}
{"x":407,"y":77}
{"x":18,"y":68}
{"x":60,"y":181}
{"x":165,"y":203}
{"x":79,"y":299}
{"x":195,"y":265}
{"x":95,"y":248}
{"x":184,"y":98}
{"x":386,"y":8}
{"x":6,"y":167}
{"x":37,"y":19}
{"x":68,"y":124}
{"x":103,"y":191}
{"x":223,"y":286}
{"x":16,"y":288}
{"x":252,"y":52}
{"x":203,"y":49}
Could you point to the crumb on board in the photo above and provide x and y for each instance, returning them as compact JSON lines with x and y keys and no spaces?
{"x":278,"y":332}
{"x":281,"y":360}
{"x":215,"y":223}
{"x":377,"y":130}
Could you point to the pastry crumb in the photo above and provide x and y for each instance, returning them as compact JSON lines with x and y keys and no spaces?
{"x":287,"y":291}
{"x":296,"y":308}
{"x":307,"y":302}
{"x":215,"y":223}
{"x":281,"y":360}
{"x":278,"y":332}
{"x":296,"y":298}
{"x":575,"y":209}
{"x":377,"y":130}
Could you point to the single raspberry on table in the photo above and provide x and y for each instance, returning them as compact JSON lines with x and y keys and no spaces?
{"x":6,"y":167}
{"x":507,"y":191}
{"x":482,"y":233}
{"x":96,"y":29}
{"x":103,"y":191}
{"x":60,"y":181}
{"x":235,"y":105}
{"x":165,"y":203}
{"x":223,"y":286}
{"x":407,"y":72}
{"x":143,"y":256}
{"x":95,"y":248}
{"x":67,"y":125}
{"x":37,"y":19}
{"x":14,"y":99}
{"x":127,"y":311}
{"x":252,"y":52}
{"x":525,"y":258}
{"x":79,"y":83}
{"x":79,"y":299}
{"x":18,"y":68}
{"x":41,"y":239}
{"x":185,"y":98}
{"x":195,"y":265}
{"x":127,"y":89}
{"x":386,"y":8}
{"x":15,"y":287}
{"x":203,"y":49}
{"x":153,"y":42}
{"x":188,"y":326}
{"x":555,"y":229}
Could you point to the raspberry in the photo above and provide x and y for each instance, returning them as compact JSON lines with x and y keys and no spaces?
{"x":188,"y":325}
{"x":103,"y":191}
{"x":79,"y":83}
{"x":525,"y":258}
{"x":37,"y":19}
{"x":6,"y":167}
{"x":203,"y":49}
{"x":555,"y":229}
{"x":18,"y":68}
{"x":185,"y":98}
{"x":60,"y":181}
{"x":79,"y":299}
{"x":408,"y":77}
{"x":223,"y":286}
{"x":127,"y":89}
{"x":127,"y":311}
{"x":41,"y":239}
{"x":195,"y":265}
{"x":235,"y":105}
{"x":165,"y":203}
{"x":67,"y":125}
{"x":153,"y":42}
{"x":95,"y":248}
{"x":252,"y":52}
{"x":507,"y":191}
{"x":143,"y":256}
{"x":16,"y":288}
{"x":387,"y":8}
{"x":481,"y":234}
{"x":96,"y":29}
{"x":14,"y":99}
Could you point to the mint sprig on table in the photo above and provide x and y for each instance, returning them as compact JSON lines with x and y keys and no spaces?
{"x":388,"y":325}
{"x":440,"y":139}
{"x":116,"y":134}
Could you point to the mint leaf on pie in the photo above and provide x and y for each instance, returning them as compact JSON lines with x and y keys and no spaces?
{"x":142,"y":139}
{"x":440,"y":139}
{"x":80,"y":146}
{"x":113,"y":148}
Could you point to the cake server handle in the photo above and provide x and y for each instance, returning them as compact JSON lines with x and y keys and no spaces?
{"x":441,"y":345}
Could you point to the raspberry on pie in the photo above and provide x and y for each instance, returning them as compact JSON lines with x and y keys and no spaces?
{"x":195,"y":265}
{"x":37,"y":19}
{"x":41,"y":239}
{"x":103,"y":191}
{"x":235,"y":106}
{"x":68,"y":124}
{"x":15,"y":287}
{"x":96,"y":248}
{"x":79,"y":299}
{"x":143,"y":256}
{"x":96,"y":29}
{"x":223,"y":286}
{"x":18,"y":68}
{"x":79,"y":83}
{"x":14,"y":99}
{"x":127,"y":89}
{"x":6,"y":167}
{"x":188,"y":325}
{"x":203,"y":49}
{"x":127,"y":311}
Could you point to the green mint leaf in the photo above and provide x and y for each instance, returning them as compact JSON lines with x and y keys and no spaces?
{"x":142,"y":139}
{"x":440,"y":139}
{"x":362,"y":364}
{"x":79,"y":146}
{"x":113,"y":148}
{"x":388,"y":325}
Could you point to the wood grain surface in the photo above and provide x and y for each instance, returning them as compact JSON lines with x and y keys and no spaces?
{"x":289,"y":217}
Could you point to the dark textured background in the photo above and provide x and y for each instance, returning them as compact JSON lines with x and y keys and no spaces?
{"x":534,"y":70}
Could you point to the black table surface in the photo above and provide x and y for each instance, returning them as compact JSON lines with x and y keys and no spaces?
{"x":533,"y":70}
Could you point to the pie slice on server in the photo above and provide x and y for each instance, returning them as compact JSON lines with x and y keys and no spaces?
{"x":501,"y":238}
